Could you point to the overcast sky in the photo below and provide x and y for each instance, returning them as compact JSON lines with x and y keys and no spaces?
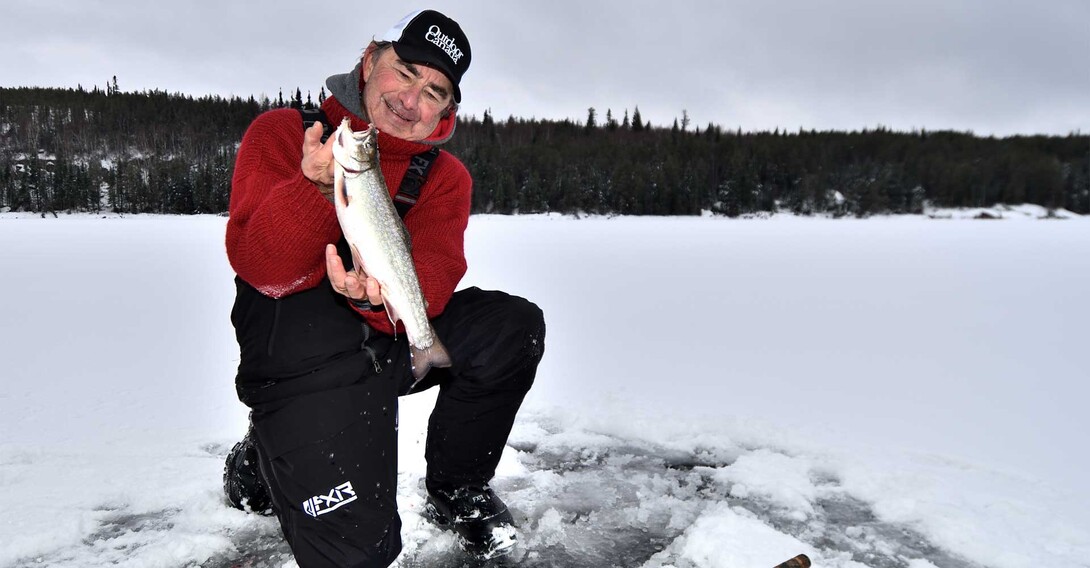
{"x":991,"y":66}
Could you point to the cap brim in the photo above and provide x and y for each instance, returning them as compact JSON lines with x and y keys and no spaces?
{"x":421,"y":57}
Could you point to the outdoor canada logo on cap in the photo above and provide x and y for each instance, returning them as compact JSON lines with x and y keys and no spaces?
{"x":430,"y":38}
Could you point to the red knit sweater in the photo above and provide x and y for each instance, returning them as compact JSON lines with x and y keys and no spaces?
{"x":279,"y":223}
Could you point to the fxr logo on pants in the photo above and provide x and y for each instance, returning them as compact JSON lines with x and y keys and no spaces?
{"x":342,"y":494}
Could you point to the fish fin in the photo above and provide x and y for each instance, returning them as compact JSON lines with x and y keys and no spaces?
{"x":357,"y":264}
{"x":340,"y":191}
{"x":343,"y":195}
{"x":424,"y":359}
{"x":391,"y":312}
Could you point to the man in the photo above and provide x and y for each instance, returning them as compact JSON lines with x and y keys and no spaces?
{"x":321,"y":366}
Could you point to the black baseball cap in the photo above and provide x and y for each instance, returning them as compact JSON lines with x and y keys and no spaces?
{"x":430,"y":38}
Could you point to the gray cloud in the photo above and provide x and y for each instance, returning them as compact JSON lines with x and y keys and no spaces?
{"x":998,"y":67}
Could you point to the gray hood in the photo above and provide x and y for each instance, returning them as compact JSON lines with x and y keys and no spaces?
{"x":345,"y":87}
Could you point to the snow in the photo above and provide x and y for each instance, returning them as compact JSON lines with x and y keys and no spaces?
{"x":894,"y":391}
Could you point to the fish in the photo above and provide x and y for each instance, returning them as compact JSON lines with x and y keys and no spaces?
{"x":380,"y":244}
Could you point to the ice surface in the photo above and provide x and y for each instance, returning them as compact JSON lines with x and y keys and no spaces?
{"x":899,"y":392}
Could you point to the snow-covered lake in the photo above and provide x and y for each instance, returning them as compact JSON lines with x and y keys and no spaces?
{"x":890,"y":392}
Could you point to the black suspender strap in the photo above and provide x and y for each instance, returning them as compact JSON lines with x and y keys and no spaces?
{"x":409,"y":192}
{"x":419,"y":165}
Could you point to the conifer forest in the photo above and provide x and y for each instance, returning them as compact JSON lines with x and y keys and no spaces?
{"x":153,"y":152}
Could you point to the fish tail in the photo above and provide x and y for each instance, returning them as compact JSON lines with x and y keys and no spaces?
{"x":424,"y":359}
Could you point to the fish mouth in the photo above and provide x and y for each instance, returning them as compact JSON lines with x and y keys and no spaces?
{"x":344,"y":164}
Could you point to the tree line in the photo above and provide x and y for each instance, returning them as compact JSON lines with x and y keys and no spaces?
{"x":155,"y":152}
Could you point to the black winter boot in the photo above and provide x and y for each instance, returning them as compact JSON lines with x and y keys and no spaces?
{"x":481,"y":520}
{"x":242,"y":481}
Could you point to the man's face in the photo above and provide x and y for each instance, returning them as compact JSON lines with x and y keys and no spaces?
{"x":404,"y":99}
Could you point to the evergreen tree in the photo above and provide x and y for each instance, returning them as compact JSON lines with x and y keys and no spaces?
{"x":71,"y":149}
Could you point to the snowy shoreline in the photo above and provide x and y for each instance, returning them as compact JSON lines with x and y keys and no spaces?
{"x":997,"y":212}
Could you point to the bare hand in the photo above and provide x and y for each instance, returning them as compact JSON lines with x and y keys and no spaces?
{"x":317,"y":164}
{"x":350,"y":284}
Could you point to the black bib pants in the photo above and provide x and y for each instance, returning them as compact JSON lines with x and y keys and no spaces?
{"x":323,"y":388}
